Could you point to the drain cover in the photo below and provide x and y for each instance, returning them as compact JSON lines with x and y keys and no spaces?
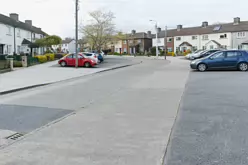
{"x":14,"y":136}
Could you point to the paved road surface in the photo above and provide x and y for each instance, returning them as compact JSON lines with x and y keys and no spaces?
{"x":211,"y":127}
{"x":121,"y":117}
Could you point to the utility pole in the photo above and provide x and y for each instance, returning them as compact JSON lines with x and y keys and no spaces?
{"x":156,"y":28}
{"x":165,"y":43}
{"x":76,"y":33}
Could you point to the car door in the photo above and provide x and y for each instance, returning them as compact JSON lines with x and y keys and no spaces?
{"x":69,"y":60}
{"x":217,"y":60}
{"x":80,"y":60}
{"x":232,"y":58}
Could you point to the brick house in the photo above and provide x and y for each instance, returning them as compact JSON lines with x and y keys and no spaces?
{"x":137,"y":42}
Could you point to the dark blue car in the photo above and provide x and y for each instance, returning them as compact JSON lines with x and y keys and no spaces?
{"x":229,"y":59}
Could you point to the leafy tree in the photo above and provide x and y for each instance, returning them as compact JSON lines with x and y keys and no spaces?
{"x":100,"y":29}
{"x":48,"y":41}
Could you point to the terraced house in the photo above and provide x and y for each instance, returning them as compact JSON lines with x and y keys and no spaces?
{"x":17,"y":37}
{"x":231,"y":35}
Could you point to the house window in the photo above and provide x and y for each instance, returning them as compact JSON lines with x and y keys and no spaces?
{"x":18,"y":32}
{"x":9,"y":49}
{"x":194,"y":48}
{"x":28,"y":35}
{"x":241,"y":35}
{"x":8,"y":30}
{"x":116,"y":50}
{"x":194,"y":37}
{"x":223,"y":36}
{"x":41,"y":36}
{"x":177,"y":49}
{"x":125,"y":50}
{"x":178,"y":38}
{"x":169,"y":40}
{"x":211,"y":47}
{"x":205,"y":37}
{"x":203,"y":47}
{"x":139,"y":41}
{"x":169,"y":49}
{"x":34,"y":36}
{"x":18,"y":49}
{"x":125,"y":42}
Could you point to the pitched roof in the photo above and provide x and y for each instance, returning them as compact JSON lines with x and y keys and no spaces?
{"x":227,"y":27}
{"x":139,"y":35}
{"x":67,"y":41}
{"x":9,"y":21}
{"x":217,"y":43}
{"x":185,"y":43}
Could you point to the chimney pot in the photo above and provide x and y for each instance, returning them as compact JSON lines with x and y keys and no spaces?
{"x":204,"y":24}
{"x":179,"y":27}
{"x":159,"y":29}
{"x":236,"y":21}
{"x":29,"y":22}
{"x":14,"y":16}
{"x":133,"y":31}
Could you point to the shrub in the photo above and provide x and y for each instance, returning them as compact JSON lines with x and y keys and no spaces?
{"x":116,"y":53}
{"x":171,"y":54}
{"x":50,"y":57}
{"x":41,"y":58}
{"x":17,"y":63}
{"x":48,"y":51}
{"x":110,"y":53}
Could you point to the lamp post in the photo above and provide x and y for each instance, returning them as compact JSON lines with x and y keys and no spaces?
{"x":76,"y":33}
{"x":156,"y":29}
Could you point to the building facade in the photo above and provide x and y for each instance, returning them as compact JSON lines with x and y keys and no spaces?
{"x":227,"y":36}
{"x":16,"y":36}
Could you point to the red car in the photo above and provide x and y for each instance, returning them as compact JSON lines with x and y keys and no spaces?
{"x":70,"y":60}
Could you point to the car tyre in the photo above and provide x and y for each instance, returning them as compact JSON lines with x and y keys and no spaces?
{"x":87,"y":65}
{"x":63,"y":64}
{"x":202,"y":67}
{"x":243,"y":66}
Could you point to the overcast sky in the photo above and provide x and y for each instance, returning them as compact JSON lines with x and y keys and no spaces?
{"x":57,"y":16}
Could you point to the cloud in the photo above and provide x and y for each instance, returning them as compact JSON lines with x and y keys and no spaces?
{"x":57,"y":16}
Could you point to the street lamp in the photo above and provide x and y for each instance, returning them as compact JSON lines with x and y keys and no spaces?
{"x":156,"y":29}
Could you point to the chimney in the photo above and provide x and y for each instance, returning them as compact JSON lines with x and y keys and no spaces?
{"x":149,"y":34}
{"x":159,"y":29}
{"x":204,"y":24}
{"x":133,"y":32}
{"x":179,"y":27}
{"x":236,"y":21}
{"x":28,"y":22}
{"x":14,"y":16}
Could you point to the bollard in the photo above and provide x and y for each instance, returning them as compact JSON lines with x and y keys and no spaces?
{"x":11,"y":64}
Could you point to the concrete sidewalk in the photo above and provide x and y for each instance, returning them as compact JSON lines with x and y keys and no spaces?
{"x":45,"y":74}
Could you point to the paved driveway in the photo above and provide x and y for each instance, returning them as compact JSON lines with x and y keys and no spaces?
{"x":211,"y":127}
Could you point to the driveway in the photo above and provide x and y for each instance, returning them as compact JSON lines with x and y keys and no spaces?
{"x":211,"y":127}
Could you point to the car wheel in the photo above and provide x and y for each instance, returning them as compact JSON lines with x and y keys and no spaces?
{"x":87,"y":64}
{"x":63,"y":63}
{"x":202,"y":67}
{"x":243,"y":66}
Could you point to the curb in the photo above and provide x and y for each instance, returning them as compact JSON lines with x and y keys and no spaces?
{"x":40,"y":85}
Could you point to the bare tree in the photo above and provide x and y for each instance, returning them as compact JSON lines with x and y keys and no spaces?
{"x":100,"y":29}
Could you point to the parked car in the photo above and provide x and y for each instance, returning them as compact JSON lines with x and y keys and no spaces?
{"x":70,"y":60}
{"x":195,"y":55}
{"x":206,"y":53}
{"x":228,"y":59}
{"x":190,"y":54}
{"x":92,"y":56}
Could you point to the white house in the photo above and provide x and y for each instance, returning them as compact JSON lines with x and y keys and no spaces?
{"x":226,"y":35}
{"x":17,"y":37}
{"x":68,"y":45}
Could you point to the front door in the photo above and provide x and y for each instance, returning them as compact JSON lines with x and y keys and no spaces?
{"x":217,"y":60}
{"x":1,"y":48}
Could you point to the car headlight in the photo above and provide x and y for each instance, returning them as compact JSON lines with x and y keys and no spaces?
{"x":193,"y":62}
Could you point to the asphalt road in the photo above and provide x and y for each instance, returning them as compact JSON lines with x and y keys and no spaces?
{"x":211,"y":127}
{"x":123,"y":116}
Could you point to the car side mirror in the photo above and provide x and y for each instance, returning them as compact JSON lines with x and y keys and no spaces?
{"x":211,"y":58}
